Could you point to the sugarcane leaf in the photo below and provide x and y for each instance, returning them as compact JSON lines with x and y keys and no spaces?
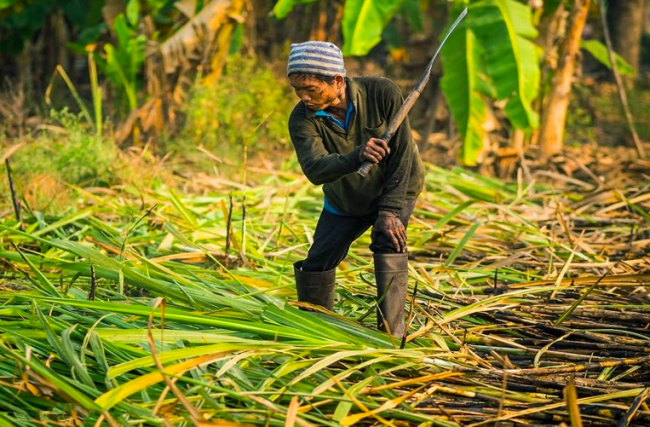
{"x":61,"y":383}
{"x":63,"y":348}
{"x":461,"y":244}
{"x":84,"y":213}
{"x":188,"y":317}
{"x":118,"y":394}
{"x":182,"y":210}
{"x":344,"y":407}
{"x":44,"y":283}
{"x":491,"y":302}
{"x":453,"y":213}
{"x":571,"y":398}
{"x":72,"y":358}
{"x":183,"y":353}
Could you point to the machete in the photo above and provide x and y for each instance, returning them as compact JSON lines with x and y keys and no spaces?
{"x":413,"y":96}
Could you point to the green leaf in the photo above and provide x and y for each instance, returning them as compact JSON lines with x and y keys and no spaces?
{"x":64,"y":348}
{"x":156,"y":7}
{"x":459,"y":247}
{"x":185,"y":213}
{"x":237,"y":40}
{"x":63,"y":384}
{"x":82,"y":14}
{"x":491,"y":55}
{"x":63,"y":222}
{"x":550,"y":6}
{"x":363,"y":23}
{"x":413,"y":9}
{"x":283,"y":7}
{"x":462,"y":64}
{"x":5,"y":421}
{"x":124,"y":60}
{"x":506,"y":31}
{"x":392,"y":37}
{"x":44,"y":283}
{"x":599,"y":52}
{"x":344,"y":407}
{"x":133,"y":12}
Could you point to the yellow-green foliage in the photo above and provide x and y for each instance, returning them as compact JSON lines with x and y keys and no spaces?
{"x":248,"y":105}
{"x":66,"y":153}
{"x":73,"y":153}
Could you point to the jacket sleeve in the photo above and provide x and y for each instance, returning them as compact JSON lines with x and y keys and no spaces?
{"x":398,"y":162}
{"x":318,"y":165}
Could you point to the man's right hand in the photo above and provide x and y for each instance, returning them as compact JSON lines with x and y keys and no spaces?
{"x":374,"y":150}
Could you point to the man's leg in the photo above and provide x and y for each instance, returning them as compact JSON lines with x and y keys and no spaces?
{"x":332,"y":239}
{"x":391,"y":275}
{"x":315,"y":276}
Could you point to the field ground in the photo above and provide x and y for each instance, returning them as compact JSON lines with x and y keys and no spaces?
{"x":531,"y":304}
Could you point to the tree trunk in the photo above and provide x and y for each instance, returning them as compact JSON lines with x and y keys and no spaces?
{"x":551,"y":132}
{"x":626,"y":19}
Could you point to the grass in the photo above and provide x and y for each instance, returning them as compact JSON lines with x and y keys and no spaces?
{"x":131,"y":307}
{"x":248,"y":107}
{"x":596,"y":113}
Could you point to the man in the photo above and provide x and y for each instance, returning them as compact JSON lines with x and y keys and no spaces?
{"x":335,"y":128}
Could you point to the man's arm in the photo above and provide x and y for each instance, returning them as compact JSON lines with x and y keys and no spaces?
{"x":398,"y":162}
{"x":396,"y":173}
{"x":318,"y":165}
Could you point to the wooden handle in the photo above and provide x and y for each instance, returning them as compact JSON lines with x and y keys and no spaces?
{"x":365,"y":168}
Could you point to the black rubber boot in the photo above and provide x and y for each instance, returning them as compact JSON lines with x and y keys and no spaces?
{"x":315,"y":287}
{"x":391,"y":275}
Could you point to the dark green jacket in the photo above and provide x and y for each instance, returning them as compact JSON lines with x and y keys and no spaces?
{"x":329,"y":155}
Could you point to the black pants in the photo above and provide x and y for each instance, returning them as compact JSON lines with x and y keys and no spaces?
{"x":335,"y":233}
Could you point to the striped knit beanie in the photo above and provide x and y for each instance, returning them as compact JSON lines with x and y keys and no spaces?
{"x":322,"y":58}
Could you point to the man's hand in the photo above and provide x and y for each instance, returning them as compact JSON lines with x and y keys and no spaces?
{"x":389,"y":224}
{"x":374,"y":150}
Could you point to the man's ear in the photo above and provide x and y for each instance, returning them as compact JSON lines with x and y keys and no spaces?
{"x":340,"y":80}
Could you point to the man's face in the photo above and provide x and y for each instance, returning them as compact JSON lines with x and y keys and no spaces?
{"x":314,"y":93}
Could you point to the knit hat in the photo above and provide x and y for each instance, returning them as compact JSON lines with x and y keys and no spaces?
{"x":322,"y":58}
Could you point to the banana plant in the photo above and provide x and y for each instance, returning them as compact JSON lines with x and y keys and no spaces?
{"x":491,"y":58}
{"x":363,"y":20}
{"x":599,"y":51}
{"x":124,"y":59}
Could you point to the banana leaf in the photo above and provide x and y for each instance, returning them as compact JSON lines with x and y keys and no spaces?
{"x":465,"y":89}
{"x":506,"y":31}
{"x":599,"y":52}
{"x":283,"y":7}
{"x":491,"y":54}
{"x":363,"y":23}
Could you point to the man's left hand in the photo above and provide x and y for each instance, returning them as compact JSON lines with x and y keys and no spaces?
{"x":374,"y":150}
{"x":390,"y":225}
